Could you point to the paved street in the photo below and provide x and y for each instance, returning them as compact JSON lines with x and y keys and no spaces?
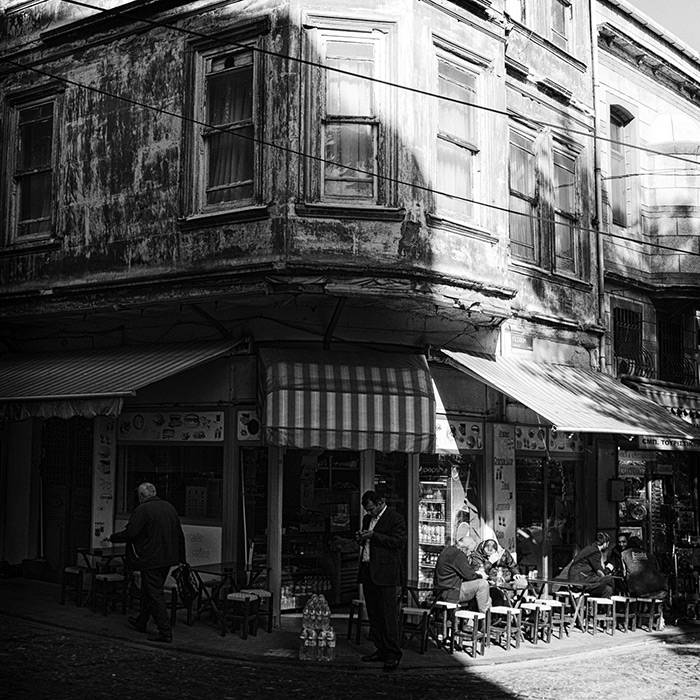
{"x":40,"y":661}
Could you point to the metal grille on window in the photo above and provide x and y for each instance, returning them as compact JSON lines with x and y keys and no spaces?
{"x":674,"y":365}
{"x":630,"y":356}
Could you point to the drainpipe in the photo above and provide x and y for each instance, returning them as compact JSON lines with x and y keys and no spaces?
{"x":598,"y":218}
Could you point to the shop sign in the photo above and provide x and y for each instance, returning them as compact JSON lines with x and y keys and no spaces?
{"x":191,"y":426}
{"x":504,"y":485}
{"x":454,"y":435}
{"x":633,"y":464}
{"x":103,"y":485}
{"x":649,"y":442}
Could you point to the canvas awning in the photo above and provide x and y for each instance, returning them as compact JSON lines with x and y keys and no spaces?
{"x":89,"y":383}
{"x":347,"y":401}
{"x":572,"y":398}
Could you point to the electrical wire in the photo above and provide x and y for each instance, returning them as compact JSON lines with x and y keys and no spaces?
{"x":309,"y":156}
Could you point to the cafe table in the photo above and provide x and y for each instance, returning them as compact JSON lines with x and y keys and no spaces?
{"x":227,"y":576}
{"x":573,"y":590}
{"x":100,"y":560}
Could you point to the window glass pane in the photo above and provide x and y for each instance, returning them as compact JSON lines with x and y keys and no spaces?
{"x":350,"y":95}
{"x":618,"y":171}
{"x":454,"y":176}
{"x":522,"y":166}
{"x":560,"y":16}
{"x":522,"y":230}
{"x":190,"y":477}
{"x":230,"y":97}
{"x":230,"y":165}
{"x":564,"y":183}
{"x":35,"y":196}
{"x":454,"y":118}
{"x":35,"y":142}
{"x":350,"y":162}
{"x":564,"y":233}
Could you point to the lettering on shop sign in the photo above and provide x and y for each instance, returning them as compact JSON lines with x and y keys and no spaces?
{"x":503,"y":506}
{"x":669,"y":443}
{"x":504,"y":433}
{"x":505,"y":486}
{"x":502,"y":461}
{"x":194,"y":537}
{"x":200,"y":553}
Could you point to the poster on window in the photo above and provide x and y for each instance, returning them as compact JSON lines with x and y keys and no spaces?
{"x":504,"y":485}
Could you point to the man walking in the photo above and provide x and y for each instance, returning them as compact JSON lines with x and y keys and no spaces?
{"x":382,"y":539}
{"x":156,"y":534}
{"x":460,"y":574}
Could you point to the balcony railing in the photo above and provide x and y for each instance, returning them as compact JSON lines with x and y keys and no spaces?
{"x":634,"y":361}
{"x":679,"y":369}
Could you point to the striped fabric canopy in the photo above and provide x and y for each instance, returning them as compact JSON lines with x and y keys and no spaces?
{"x":347,"y":401}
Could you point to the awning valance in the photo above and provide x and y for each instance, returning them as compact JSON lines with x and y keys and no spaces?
{"x":89,"y":383}
{"x":347,"y":400}
{"x":572,"y":398}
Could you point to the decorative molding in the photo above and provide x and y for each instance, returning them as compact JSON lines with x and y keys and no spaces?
{"x":346,"y":211}
{"x":232,"y":216}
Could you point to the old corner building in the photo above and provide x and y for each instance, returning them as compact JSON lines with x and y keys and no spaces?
{"x":267,"y":255}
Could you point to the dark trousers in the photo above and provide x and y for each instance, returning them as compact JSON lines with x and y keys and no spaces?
{"x":383,"y":615}
{"x":153,"y":599}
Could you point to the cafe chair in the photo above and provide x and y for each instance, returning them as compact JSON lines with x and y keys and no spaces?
{"x":107,"y":591}
{"x":558,"y":617}
{"x":650,"y":613}
{"x":505,"y":626}
{"x":537,"y":622}
{"x":413,"y":623}
{"x":356,"y":620}
{"x":471,"y":632}
{"x":264,"y":605}
{"x":72,"y":582}
{"x":599,"y":611}
{"x":240,"y":609}
{"x":625,"y":612}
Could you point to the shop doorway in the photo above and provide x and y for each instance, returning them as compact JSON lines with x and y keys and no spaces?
{"x":546,"y":514}
{"x":66,"y":491}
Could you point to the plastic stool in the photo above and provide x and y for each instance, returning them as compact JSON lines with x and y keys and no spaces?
{"x":600,"y":610}
{"x":264,"y":605}
{"x":505,"y":625}
{"x":649,"y":613}
{"x":72,"y":581}
{"x":625,"y":612}
{"x":473,"y":627}
{"x":240,"y":607}
{"x":356,"y":619}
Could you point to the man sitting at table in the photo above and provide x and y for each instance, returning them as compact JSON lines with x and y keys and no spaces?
{"x":501,"y":569}
{"x":155,"y":532}
{"x":587,"y":567}
{"x":456,"y":573}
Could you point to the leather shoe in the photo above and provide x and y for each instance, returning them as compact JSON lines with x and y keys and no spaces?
{"x":136,"y":624}
{"x":391,"y":664}
{"x":374,"y":657}
{"x":160,"y":638}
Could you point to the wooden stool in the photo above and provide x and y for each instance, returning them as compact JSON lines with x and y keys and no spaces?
{"x":600,"y":610}
{"x":442,"y":624}
{"x":414,"y":623}
{"x":505,"y":624}
{"x":357,"y":619}
{"x":537,"y":620}
{"x":572,"y":601}
{"x":264,"y":605}
{"x":558,"y":617}
{"x":240,"y":607}
{"x":472,"y":627}
{"x":625,"y":612}
{"x":72,"y":582}
{"x":111,"y":588}
{"x":649,"y":613}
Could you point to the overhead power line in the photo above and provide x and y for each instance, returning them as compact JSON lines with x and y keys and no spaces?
{"x":301,"y":154}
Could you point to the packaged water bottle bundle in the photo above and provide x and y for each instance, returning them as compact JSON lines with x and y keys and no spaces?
{"x":317,"y":638}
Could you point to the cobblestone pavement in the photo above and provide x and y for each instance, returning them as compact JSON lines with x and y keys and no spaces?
{"x":40,"y":661}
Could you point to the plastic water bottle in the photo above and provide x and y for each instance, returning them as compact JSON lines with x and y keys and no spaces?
{"x":311,"y":645}
{"x":321,"y":645}
{"x":302,"y":644}
{"x":330,"y":645}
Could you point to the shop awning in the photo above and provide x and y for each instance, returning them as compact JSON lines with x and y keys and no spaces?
{"x":347,"y":400}
{"x":89,"y":383}
{"x":572,"y":398}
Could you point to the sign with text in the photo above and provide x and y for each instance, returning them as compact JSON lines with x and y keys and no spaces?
{"x":104,"y":459}
{"x":504,"y":485}
{"x":649,"y":442}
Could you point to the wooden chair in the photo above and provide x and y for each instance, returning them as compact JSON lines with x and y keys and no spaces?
{"x":413,"y":623}
{"x":471,"y":628}
{"x":537,"y":621}
{"x":239,"y":607}
{"x":600,"y":611}
{"x":441,"y":624}
{"x":357,"y":620}
{"x":72,"y":580}
{"x":264,"y":605}
{"x":109,"y":589}
{"x":650,"y":613}
{"x":625,"y":612}
{"x":505,"y":626}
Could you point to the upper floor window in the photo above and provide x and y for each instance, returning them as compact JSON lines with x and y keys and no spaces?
{"x":516,"y":9}
{"x":224,"y":150}
{"x":456,"y":138}
{"x":620,"y":125}
{"x":674,"y":364}
{"x":32,"y":128}
{"x":628,"y":346}
{"x":566,"y":216}
{"x":560,"y":22}
{"x":347,"y":113}
{"x":524,"y":242}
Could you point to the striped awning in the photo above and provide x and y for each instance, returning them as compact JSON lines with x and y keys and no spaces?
{"x":89,"y":383}
{"x":347,"y":401}
{"x":572,"y":398}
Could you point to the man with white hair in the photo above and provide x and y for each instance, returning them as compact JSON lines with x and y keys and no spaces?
{"x":460,"y":575}
{"x":155,"y":532}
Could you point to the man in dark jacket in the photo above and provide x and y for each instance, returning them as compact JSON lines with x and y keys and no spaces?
{"x":460,"y":573}
{"x":587,"y":567}
{"x":382,"y":539}
{"x":155,"y":532}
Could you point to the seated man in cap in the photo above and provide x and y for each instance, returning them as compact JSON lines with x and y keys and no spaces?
{"x":460,"y":574}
